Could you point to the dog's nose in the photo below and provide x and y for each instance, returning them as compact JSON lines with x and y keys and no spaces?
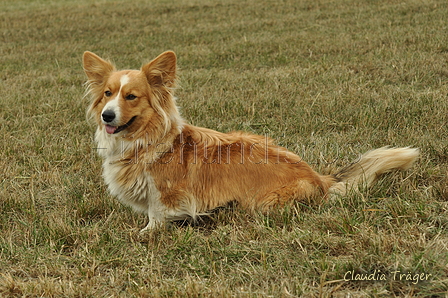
{"x":108,"y":116}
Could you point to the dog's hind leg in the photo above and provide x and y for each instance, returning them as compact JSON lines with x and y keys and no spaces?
{"x":301,"y":190}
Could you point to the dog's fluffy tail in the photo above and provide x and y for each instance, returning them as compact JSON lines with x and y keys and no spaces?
{"x":369,"y":166}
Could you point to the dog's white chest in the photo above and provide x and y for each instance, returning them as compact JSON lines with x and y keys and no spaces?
{"x":138,"y":191}
{"x":140,"y":194}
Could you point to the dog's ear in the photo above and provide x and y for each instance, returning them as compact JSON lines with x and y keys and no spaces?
{"x":162,"y":70}
{"x":96,"y":68}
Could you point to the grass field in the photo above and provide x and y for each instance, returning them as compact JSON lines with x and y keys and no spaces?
{"x":327,"y":79}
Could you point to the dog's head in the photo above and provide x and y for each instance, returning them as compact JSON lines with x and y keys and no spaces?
{"x":132,"y":102}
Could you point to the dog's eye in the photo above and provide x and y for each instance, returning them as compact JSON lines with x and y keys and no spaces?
{"x":108,"y":93}
{"x":130,"y":97}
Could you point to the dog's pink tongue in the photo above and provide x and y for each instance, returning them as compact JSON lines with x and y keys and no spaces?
{"x":110,"y":129}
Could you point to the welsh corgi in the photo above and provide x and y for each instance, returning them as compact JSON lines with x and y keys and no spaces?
{"x":168,"y":169}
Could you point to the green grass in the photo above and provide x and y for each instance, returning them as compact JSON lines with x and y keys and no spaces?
{"x":327,"y":79}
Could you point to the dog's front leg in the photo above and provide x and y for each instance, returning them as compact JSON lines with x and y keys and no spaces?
{"x":152,"y":224}
{"x":154,"y":220}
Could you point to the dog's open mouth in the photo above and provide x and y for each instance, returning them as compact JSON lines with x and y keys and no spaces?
{"x":116,"y":129}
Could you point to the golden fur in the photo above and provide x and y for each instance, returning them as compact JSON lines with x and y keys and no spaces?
{"x":169,"y":169}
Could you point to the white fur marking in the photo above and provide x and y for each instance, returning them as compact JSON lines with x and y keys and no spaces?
{"x":113,"y":104}
{"x":124,"y":80}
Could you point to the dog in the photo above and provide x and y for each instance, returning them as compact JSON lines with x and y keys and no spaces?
{"x":168,"y":169}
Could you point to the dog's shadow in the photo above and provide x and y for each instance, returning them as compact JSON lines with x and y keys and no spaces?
{"x":203,"y":222}
{"x":232,"y":213}
{"x":229,"y":214}
{"x":209,"y":221}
